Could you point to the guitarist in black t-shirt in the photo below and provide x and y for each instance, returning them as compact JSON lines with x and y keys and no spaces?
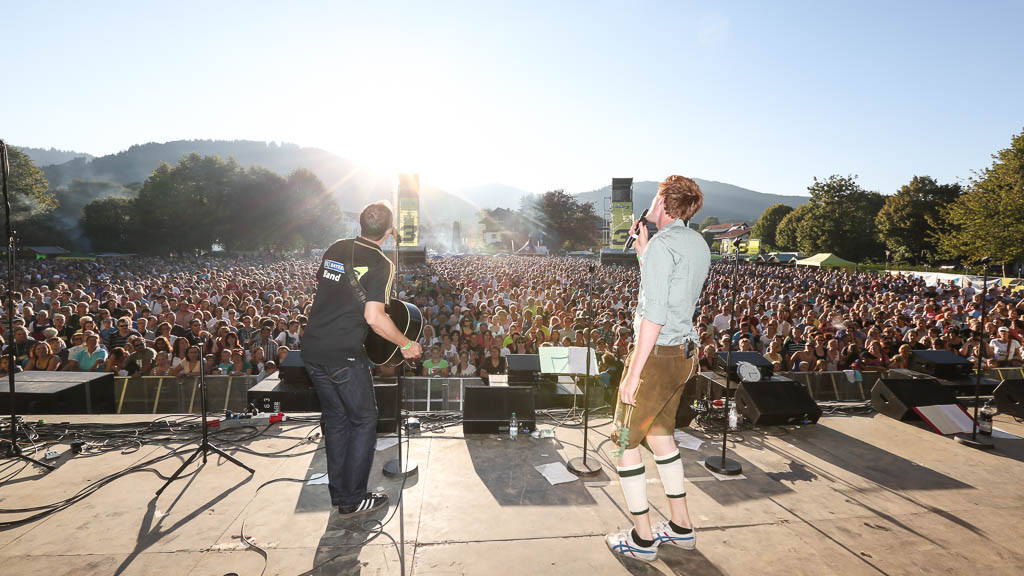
{"x":332,"y":351}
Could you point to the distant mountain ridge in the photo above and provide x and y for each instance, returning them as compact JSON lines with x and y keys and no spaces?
{"x":352,"y":186}
{"x":728,"y":202}
{"x":47,"y":156}
{"x":355,"y":187}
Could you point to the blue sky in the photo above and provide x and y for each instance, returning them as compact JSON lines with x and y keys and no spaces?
{"x":538,"y":95}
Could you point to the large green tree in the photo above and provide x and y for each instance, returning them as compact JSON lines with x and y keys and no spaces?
{"x":841,"y":220}
{"x":989,"y":219}
{"x":183,"y":208}
{"x":29,"y":190}
{"x":910,"y":218}
{"x":110,"y":224}
{"x":786,"y":233}
{"x":767,"y":225}
{"x":314,"y":213}
{"x":565,"y":222}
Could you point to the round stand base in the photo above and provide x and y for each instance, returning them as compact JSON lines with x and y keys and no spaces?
{"x":408,"y":468}
{"x":725,"y":467}
{"x":580,"y":467}
{"x":980,"y":441}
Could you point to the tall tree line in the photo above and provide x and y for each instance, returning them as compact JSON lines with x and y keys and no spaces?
{"x":924,"y":222}
{"x":206,"y":200}
{"x":556,"y":219}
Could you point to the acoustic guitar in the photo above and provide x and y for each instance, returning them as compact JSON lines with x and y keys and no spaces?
{"x":408,"y":319}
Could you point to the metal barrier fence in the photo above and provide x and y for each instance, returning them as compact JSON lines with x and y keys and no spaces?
{"x":167,"y":395}
{"x":424,"y":394}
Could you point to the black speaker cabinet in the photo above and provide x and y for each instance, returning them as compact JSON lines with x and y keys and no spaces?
{"x":754,"y":358}
{"x":487,"y":409}
{"x":776,"y":402}
{"x":42,"y":392}
{"x":1009,"y":397}
{"x":293,"y":371}
{"x":387,"y":407}
{"x":896,"y":397}
{"x":940,"y":363}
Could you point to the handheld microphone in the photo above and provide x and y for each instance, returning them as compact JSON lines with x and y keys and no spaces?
{"x":634,"y":231}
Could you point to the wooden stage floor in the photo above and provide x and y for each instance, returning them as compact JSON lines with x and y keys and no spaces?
{"x":852,"y":495}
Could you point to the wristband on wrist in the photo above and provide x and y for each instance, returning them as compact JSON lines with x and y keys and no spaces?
{"x":407,"y":345}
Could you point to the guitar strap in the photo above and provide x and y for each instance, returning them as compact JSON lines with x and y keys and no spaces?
{"x":357,"y":288}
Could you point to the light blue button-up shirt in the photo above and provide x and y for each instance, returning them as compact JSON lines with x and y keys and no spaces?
{"x":675,"y":265}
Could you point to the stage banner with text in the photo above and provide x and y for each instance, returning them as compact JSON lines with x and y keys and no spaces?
{"x":621,"y":217}
{"x":409,"y":209}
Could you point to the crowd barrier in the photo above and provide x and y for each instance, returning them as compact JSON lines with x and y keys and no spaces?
{"x":168,"y":395}
{"x":836,"y":386}
{"x":424,"y":394}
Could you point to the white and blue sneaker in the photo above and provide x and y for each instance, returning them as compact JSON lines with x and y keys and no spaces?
{"x":622,"y":544}
{"x":664,"y":534}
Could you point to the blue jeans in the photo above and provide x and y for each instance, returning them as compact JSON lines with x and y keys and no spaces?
{"x":349,"y":422}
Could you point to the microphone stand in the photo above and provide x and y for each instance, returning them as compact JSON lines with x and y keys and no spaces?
{"x":972,"y":439}
{"x":580,"y":466}
{"x":396,"y":468}
{"x":725,"y":466}
{"x":13,"y":449}
{"x":204,"y":446}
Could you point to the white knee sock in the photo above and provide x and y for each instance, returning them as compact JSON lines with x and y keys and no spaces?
{"x":670,"y":468}
{"x":634,"y":487}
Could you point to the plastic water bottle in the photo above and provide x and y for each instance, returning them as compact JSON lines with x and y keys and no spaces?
{"x":985,"y":418}
{"x":513,"y":427}
{"x":733,"y":417}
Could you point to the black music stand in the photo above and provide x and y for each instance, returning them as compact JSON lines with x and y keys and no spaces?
{"x":972,"y":439}
{"x":725,"y":466}
{"x":204,"y":446}
{"x":557,"y":360}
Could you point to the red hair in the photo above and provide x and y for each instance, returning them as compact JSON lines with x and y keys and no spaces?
{"x":683,"y":198}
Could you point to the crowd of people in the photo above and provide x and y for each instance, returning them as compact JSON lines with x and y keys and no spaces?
{"x":239,"y":315}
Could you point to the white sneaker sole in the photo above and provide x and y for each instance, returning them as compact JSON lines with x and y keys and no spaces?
{"x":640,"y":557}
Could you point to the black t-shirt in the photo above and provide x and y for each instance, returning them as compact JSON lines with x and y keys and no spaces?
{"x":336,"y":324}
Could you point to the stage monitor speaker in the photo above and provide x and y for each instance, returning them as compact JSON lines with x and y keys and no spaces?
{"x":896,"y":397}
{"x":754,"y":358}
{"x":487,"y":409}
{"x":611,"y":256}
{"x":43,"y":392}
{"x":776,"y":402}
{"x":524,"y":369}
{"x":1009,"y":397}
{"x":940,"y":363}
{"x":292,"y":369}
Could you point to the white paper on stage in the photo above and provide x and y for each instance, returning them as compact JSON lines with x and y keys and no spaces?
{"x":946,"y":419}
{"x":997,"y":433}
{"x":684,"y":440}
{"x":567,"y":360}
{"x":386,"y":442}
{"x":556,"y":473}
{"x":318,"y":479}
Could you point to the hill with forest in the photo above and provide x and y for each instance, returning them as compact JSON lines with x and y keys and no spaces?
{"x":727,"y":202}
{"x":352,"y":186}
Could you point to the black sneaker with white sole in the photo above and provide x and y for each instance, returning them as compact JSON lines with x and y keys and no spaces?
{"x":372,"y":502}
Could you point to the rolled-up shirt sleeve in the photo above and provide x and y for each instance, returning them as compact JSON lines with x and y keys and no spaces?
{"x":655,"y":282}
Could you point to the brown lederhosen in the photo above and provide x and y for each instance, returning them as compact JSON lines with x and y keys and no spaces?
{"x":662,"y":380}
